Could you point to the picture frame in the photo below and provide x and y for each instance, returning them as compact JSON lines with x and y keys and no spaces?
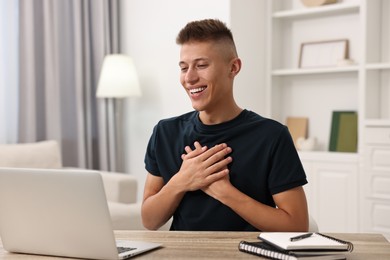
{"x":323,"y":53}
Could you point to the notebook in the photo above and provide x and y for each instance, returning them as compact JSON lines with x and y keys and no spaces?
{"x":315,"y":241}
{"x":261,"y":248}
{"x":59,"y":213}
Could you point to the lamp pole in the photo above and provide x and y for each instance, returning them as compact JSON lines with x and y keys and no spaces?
{"x":118,"y":80}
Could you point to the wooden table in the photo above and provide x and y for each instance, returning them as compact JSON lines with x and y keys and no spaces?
{"x":223,"y":245}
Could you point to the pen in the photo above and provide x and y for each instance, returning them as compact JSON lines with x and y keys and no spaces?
{"x":300,"y":237}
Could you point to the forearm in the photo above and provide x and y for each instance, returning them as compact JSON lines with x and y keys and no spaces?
{"x":157,"y":209}
{"x":264,"y":217}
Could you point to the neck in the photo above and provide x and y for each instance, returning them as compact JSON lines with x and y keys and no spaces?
{"x":220,"y":116}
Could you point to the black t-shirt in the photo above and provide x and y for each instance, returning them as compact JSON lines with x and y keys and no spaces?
{"x":265,"y":162}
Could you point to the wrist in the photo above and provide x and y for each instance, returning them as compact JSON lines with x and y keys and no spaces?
{"x":229,"y":195}
{"x":177,"y":184}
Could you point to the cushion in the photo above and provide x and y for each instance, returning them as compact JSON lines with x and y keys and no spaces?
{"x":45,"y":154}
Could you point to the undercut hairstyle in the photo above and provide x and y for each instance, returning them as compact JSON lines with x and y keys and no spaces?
{"x":206,"y":30}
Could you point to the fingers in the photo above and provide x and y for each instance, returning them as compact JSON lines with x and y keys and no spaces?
{"x":214,"y":159}
{"x":216,"y":154}
{"x":213,"y":155}
{"x":217,"y":176}
{"x":193,"y":153}
{"x":220,"y":165}
{"x":187,"y":149}
{"x":197,"y":145}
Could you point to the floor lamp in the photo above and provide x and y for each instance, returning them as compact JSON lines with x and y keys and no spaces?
{"x":118,"y":80}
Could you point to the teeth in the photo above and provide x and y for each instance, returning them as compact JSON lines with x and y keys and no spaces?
{"x":196,"y":90}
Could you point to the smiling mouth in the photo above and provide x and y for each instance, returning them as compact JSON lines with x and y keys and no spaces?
{"x":197,"y":90}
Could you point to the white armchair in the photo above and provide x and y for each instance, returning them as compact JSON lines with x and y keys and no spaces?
{"x":121,"y":189}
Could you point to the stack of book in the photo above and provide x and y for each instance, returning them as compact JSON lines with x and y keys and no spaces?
{"x":295,"y":245}
{"x":344,"y":132}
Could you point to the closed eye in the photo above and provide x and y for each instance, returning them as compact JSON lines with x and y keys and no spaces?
{"x":202,"y":66}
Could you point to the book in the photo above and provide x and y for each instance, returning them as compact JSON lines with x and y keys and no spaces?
{"x":347,"y":137}
{"x":334,"y":131}
{"x":261,"y":248}
{"x":343,"y":132}
{"x":297,"y":127}
{"x":315,"y":241}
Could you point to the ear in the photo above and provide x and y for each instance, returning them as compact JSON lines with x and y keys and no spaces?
{"x":235,"y":66}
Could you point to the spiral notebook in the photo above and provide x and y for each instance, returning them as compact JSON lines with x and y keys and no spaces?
{"x":261,"y":248}
{"x":315,"y":241}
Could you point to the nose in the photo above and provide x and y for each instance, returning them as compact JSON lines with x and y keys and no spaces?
{"x":191,"y":75}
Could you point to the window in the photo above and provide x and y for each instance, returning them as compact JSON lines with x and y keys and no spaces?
{"x":8,"y":71}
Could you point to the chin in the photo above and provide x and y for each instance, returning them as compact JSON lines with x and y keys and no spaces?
{"x":198,"y":108}
{"x":200,"y":105}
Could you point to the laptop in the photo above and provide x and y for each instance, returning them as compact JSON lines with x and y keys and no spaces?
{"x":60,"y":213}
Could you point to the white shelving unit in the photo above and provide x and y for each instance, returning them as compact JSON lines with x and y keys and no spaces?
{"x":293,"y":91}
{"x":358,"y":179}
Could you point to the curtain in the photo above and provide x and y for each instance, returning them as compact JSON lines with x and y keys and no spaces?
{"x":62,"y":46}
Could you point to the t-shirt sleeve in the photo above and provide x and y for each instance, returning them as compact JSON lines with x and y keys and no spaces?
{"x":287,"y":171}
{"x":150,"y":156}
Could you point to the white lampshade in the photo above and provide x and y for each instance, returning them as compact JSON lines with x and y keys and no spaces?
{"x":118,"y":78}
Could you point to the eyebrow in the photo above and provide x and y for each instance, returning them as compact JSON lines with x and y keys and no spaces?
{"x":196,"y":60}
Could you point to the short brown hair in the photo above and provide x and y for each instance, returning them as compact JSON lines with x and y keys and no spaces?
{"x":205,"y":30}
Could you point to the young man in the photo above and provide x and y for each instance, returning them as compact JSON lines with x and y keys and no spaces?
{"x":220,"y":167}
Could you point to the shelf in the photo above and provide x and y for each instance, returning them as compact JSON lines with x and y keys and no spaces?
{"x":378,"y":66}
{"x":317,"y":11}
{"x":377,"y":122}
{"x":292,"y":72}
{"x":329,"y":156}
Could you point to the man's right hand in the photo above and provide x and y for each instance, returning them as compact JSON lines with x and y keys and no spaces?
{"x":203,"y":166}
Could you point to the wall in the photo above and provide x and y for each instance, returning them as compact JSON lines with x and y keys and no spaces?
{"x":248,"y":26}
{"x":148,"y":33}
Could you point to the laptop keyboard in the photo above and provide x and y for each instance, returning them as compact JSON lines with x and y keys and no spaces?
{"x":125,"y":249}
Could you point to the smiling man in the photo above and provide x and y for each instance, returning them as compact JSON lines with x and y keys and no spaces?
{"x":220,"y":167}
